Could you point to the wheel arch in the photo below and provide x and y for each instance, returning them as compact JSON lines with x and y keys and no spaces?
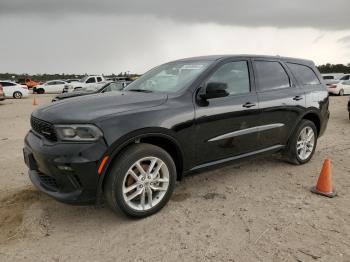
{"x":162,"y":139}
{"x":315,"y":118}
{"x":311,"y":115}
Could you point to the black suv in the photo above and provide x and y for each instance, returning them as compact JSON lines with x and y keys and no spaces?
{"x":131,"y":146}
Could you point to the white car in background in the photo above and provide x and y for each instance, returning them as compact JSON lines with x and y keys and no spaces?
{"x":12,"y":89}
{"x":332,"y":78}
{"x":51,"y":87}
{"x":342,"y":87}
{"x":87,"y":83}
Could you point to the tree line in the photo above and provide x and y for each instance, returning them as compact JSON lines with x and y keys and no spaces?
{"x":334,"y":68}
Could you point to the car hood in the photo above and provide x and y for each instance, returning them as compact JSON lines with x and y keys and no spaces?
{"x":91,"y":108}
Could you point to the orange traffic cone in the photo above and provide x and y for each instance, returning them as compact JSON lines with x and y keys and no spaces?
{"x":34,"y":101}
{"x":324,"y":184}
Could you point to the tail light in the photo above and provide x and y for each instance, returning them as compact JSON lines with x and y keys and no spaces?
{"x":1,"y":89}
{"x":24,"y":86}
{"x":332,"y":86}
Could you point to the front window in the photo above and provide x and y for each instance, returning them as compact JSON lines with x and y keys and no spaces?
{"x":84,"y":79}
{"x":170,"y":77}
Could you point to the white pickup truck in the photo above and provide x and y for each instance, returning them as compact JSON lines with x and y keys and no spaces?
{"x":92,"y":82}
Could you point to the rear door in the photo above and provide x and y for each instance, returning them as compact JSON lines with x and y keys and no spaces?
{"x":280,"y":99}
{"x":8,"y":88}
{"x":226,"y":126}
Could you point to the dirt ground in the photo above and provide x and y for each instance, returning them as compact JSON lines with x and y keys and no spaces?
{"x":256,"y":210}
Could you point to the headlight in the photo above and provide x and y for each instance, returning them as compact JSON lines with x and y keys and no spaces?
{"x":78,"y":132}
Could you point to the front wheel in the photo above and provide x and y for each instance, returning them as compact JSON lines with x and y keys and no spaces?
{"x":341,"y":92}
{"x":302,"y":144}
{"x":17,"y":95}
{"x":140,"y":181}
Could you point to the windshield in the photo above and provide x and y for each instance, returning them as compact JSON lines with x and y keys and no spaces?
{"x":170,"y":77}
{"x":83,"y":79}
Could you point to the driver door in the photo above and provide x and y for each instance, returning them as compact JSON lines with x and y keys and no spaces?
{"x":227,"y":126}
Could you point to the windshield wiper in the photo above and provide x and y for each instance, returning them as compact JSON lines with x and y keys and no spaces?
{"x":140,"y":90}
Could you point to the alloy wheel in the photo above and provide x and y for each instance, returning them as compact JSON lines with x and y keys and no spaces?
{"x":305,"y":143}
{"x":145,"y":183}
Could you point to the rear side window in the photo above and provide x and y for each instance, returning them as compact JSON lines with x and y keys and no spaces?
{"x":271,"y":75}
{"x":99,"y":79}
{"x":7,"y":84}
{"x":328,"y":77}
{"x":304,"y":74}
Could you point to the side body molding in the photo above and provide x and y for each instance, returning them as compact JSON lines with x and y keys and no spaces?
{"x":246,"y":131}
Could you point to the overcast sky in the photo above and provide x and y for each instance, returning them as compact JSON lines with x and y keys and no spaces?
{"x":110,"y":36}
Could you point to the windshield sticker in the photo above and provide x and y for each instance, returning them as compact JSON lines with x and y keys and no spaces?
{"x":192,"y":67}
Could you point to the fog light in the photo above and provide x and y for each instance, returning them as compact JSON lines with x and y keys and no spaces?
{"x":65,"y":168}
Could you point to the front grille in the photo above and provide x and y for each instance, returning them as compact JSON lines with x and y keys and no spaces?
{"x":48,"y":181}
{"x":43,"y":128}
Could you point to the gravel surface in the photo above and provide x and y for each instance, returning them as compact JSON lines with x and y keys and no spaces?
{"x":256,"y":210}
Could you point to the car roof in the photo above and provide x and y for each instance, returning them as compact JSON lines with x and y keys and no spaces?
{"x":267,"y":57}
{"x":8,"y":81}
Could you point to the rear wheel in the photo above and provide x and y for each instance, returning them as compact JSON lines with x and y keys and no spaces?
{"x":341,"y":92}
{"x":303,"y":143}
{"x":17,"y":95}
{"x":141,"y":180}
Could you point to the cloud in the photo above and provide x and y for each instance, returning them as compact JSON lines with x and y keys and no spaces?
{"x":92,"y":44}
{"x":345,"y":40}
{"x":319,"y":14}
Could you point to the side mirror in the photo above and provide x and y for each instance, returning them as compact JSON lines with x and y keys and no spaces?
{"x":214,"y":90}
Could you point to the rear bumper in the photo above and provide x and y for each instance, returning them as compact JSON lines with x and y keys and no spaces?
{"x":334,"y":91}
{"x":64,"y":171}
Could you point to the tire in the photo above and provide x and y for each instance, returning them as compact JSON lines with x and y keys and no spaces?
{"x":40,"y":91}
{"x":119,"y":181}
{"x":293,"y":155}
{"x":341,"y":92}
{"x":17,"y":95}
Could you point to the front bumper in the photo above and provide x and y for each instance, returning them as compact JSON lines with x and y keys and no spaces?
{"x":64,"y":171}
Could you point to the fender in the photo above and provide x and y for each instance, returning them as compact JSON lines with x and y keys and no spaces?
{"x":130,"y":138}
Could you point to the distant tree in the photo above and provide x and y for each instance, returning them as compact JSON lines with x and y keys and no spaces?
{"x":334,"y":68}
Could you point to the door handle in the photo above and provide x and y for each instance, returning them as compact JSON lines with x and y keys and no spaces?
{"x":297,"y":98}
{"x":248,"y":105}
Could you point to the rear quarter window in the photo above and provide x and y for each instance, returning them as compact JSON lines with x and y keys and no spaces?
{"x":304,"y":74}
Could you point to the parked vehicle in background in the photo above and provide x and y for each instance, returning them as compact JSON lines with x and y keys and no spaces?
{"x":92,"y":89}
{"x":14,"y":90}
{"x":340,"y":88}
{"x":109,"y":87}
{"x":71,"y":80}
{"x":30,"y":83}
{"x":92,"y":82}
{"x":180,"y":117}
{"x":2,"y":94}
{"x":51,"y":87}
{"x":345,"y":77}
{"x":332,"y":78}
